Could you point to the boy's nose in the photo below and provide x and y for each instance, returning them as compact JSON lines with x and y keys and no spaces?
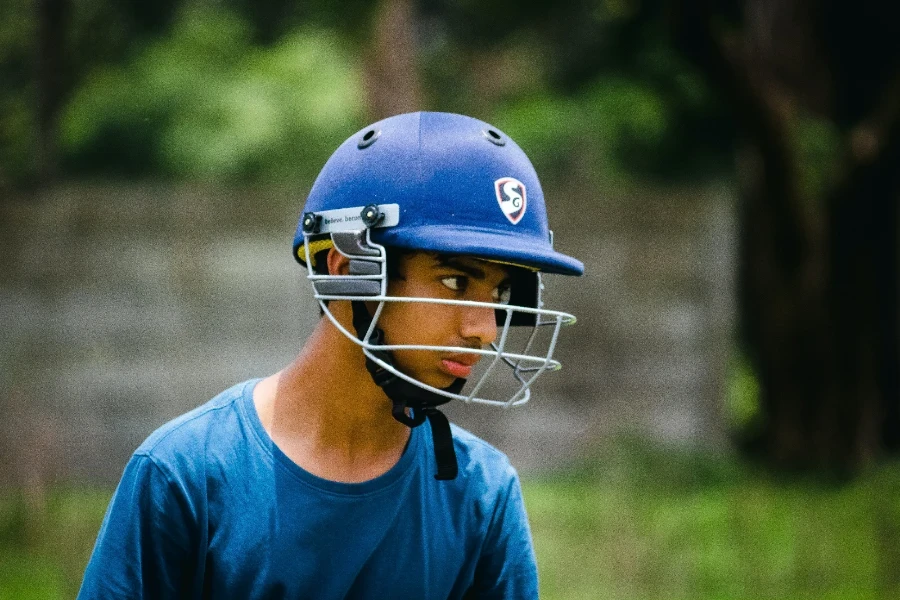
{"x":479,"y":323}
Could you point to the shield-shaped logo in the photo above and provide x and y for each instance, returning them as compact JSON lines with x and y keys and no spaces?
{"x":512,"y":198}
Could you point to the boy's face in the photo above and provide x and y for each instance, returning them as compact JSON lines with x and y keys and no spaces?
{"x":452,"y":278}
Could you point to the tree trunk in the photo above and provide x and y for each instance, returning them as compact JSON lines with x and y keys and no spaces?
{"x":864,"y":275}
{"x":825,"y":345}
{"x":52,"y":17}
{"x":818,"y":287}
{"x":392,"y":75}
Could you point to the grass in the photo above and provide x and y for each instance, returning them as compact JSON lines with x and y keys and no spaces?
{"x":633,"y":524}
{"x":647,"y":526}
{"x":45,"y":543}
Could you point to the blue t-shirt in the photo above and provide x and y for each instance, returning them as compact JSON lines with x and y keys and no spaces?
{"x":209,"y":507}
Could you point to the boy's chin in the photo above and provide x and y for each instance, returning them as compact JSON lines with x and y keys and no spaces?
{"x":428,"y":374}
{"x":439,"y":380}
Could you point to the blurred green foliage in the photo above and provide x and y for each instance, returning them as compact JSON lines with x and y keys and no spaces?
{"x":18,"y":118}
{"x":742,"y":402}
{"x":597,"y":122}
{"x":204,"y":102}
{"x":264,"y":91}
{"x":818,"y":146}
{"x":635,"y":523}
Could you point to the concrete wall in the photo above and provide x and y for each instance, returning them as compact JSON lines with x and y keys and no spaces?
{"x":123,"y":306}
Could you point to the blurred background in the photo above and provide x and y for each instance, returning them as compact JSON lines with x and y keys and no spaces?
{"x":726,"y":424}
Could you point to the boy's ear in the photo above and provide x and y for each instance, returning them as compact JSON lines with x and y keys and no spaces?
{"x":338,"y":264}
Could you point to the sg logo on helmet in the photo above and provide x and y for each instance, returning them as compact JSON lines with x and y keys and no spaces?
{"x":512,"y":198}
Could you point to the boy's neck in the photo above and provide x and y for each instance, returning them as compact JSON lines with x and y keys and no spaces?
{"x":325,"y":412}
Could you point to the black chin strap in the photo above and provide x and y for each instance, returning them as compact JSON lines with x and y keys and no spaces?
{"x":404,"y":395}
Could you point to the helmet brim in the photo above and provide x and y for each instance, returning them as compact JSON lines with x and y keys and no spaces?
{"x":495,"y":245}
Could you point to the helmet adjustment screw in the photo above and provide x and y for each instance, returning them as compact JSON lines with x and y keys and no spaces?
{"x":371,"y":215}
{"x":311,"y":222}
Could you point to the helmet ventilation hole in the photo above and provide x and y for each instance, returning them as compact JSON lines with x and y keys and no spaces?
{"x":368,"y":138}
{"x":494,"y":137}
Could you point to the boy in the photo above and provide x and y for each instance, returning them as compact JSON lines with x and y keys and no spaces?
{"x":423,"y":235}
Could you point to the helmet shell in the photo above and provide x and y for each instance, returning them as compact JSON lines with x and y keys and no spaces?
{"x":443,"y":171}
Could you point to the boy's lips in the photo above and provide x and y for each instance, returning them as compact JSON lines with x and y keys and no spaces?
{"x":460,"y":365}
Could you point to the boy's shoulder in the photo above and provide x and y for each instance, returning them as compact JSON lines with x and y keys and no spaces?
{"x":192,"y":433}
{"x":477,"y":459}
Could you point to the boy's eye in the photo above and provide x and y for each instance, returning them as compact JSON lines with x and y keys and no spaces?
{"x":457,"y":283}
{"x":502,"y":294}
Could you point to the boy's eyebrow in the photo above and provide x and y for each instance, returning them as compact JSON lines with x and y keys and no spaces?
{"x":474,"y":271}
{"x":455,"y":262}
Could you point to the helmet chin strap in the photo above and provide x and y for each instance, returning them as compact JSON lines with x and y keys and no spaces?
{"x":405,"y":395}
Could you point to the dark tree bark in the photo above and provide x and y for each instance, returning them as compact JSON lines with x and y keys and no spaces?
{"x":392,"y":76}
{"x":52,"y":17}
{"x":818,"y":280}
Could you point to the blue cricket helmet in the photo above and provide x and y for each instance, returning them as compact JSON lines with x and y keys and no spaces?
{"x":462,"y":187}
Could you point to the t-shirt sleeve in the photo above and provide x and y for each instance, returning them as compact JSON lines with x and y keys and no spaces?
{"x":145,"y":545}
{"x":507,"y":567}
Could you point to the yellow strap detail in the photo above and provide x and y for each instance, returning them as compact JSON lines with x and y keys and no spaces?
{"x":503,"y":262}
{"x":314,"y":248}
